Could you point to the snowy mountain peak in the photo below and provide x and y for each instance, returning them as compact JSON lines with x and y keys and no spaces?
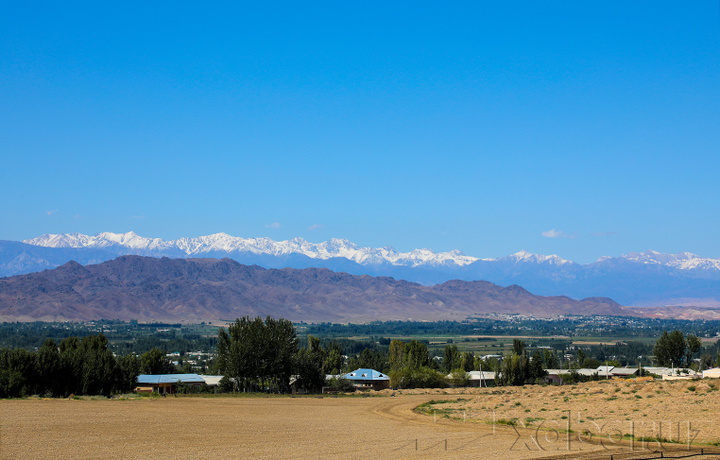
{"x":222,"y":242}
{"x":681,"y":260}
{"x":524,"y":256}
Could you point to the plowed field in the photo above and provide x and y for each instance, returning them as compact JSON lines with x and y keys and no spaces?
{"x":383,"y":426}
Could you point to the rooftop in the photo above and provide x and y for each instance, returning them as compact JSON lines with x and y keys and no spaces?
{"x":171,"y":378}
{"x":366,"y":374}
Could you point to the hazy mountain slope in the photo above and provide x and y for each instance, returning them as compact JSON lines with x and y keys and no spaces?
{"x":143,"y":288}
{"x":648,"y":278}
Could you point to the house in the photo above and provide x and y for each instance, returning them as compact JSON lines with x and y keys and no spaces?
{"x":624,"y":371}
{"x":553,"y":376}
{"x":590,"y":373}
{"x":604,"y":372}
{"x":475,"y":379}
{"x":368,"y":379}
{"x":482,"y":379}
{"x":668,"y":373}
{"x":167,"y":383}
{"x":665,"y":370}
{"x":213,"y":381}
{"x":713,"y":373}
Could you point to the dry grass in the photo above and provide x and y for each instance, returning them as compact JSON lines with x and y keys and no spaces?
{"x":379,"y":427}
{"x":654,"y":409}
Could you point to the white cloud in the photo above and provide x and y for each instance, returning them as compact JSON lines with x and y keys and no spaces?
{"x":50,"y":213}
{"x":557,"y":234}
{"x":273,"y":225}
{"x":315,"y":227}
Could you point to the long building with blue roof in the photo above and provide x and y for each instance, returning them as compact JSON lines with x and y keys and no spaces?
{"x":167,"y":383}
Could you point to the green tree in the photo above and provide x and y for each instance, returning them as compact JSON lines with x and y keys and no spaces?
{"x":256,"y":354}
{"x":154,"y":362}
{"x":670,"y":348}
{"x":693,"y":346}
{"x":591,"y":363}
{"x":490,"y":364}
{"x":17,"y":373}
{"x":88,"y":366}
{"x":467,"y":361}
{"x":415,"y":354}
{"x":536,"y":371}
{"x":369,"y":359}
{"x":333,"y":359}
{"x":49,"y":369}
{"x":423,"y":377}
{"x":129,"y":370}
{"x":396,"y":354}
{"x":451,"y":360}
{"x":72,"y":358}
{"x":550,"y":359}
{"x":706,"y":361}
{"x":309,"y":366}
{"x":514,"y":370}
{"x":100,"y":373}
{"x":581,"y":358}
{"x":459,"y":378}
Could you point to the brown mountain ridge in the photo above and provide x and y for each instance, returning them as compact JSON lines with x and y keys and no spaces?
{"x":193,"y":290}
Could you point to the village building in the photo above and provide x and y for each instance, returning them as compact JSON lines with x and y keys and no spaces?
{"x":368,"y":379}
{"x":481,"y":379}
{"x":604,"y":372}
{"x":165,"y":384}
{"x":713,"y":373}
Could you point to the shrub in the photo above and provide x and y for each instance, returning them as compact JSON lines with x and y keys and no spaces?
{"x":341,"y":384}
{"x":459,"y":378}
{"x":423,"y":377}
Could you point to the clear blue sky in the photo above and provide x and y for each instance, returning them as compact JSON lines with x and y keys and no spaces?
{"x":476,"y":126}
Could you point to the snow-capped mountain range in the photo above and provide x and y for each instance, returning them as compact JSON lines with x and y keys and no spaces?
{"x":222,"y":242}
{"x":682,"y":260}
{"x":647,"y":278}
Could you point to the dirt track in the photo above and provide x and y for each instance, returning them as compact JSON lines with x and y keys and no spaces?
{"x":378,"y":427}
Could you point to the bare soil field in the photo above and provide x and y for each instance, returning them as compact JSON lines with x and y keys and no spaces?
{"x":383,"y":426}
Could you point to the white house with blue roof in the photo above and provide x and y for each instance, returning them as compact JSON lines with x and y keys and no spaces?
{"x":368,"y":379}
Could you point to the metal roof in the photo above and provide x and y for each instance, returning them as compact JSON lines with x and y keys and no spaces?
{"x":169,"y":378}
{"x":212,"y":379}
{"x":366,"y":374}
{"x":482,"y":375}
{"x":624,"y":371}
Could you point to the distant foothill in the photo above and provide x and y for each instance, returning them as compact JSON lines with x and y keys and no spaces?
{"x":638,"y":279}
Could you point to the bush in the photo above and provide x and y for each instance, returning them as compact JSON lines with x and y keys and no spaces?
{"x":341,"y":384}
{"x":226,"y":385}
{"x":459,"y":378}
{"x":423,"y":377}
{"x":574,"y":377}
{"x":183,"y":388}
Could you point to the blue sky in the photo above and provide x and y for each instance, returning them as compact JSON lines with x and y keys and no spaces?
{"x":581,"y":129}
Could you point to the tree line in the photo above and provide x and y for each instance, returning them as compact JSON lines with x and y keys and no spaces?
{"x":265,"y":355}
{"x":75,"y":366}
